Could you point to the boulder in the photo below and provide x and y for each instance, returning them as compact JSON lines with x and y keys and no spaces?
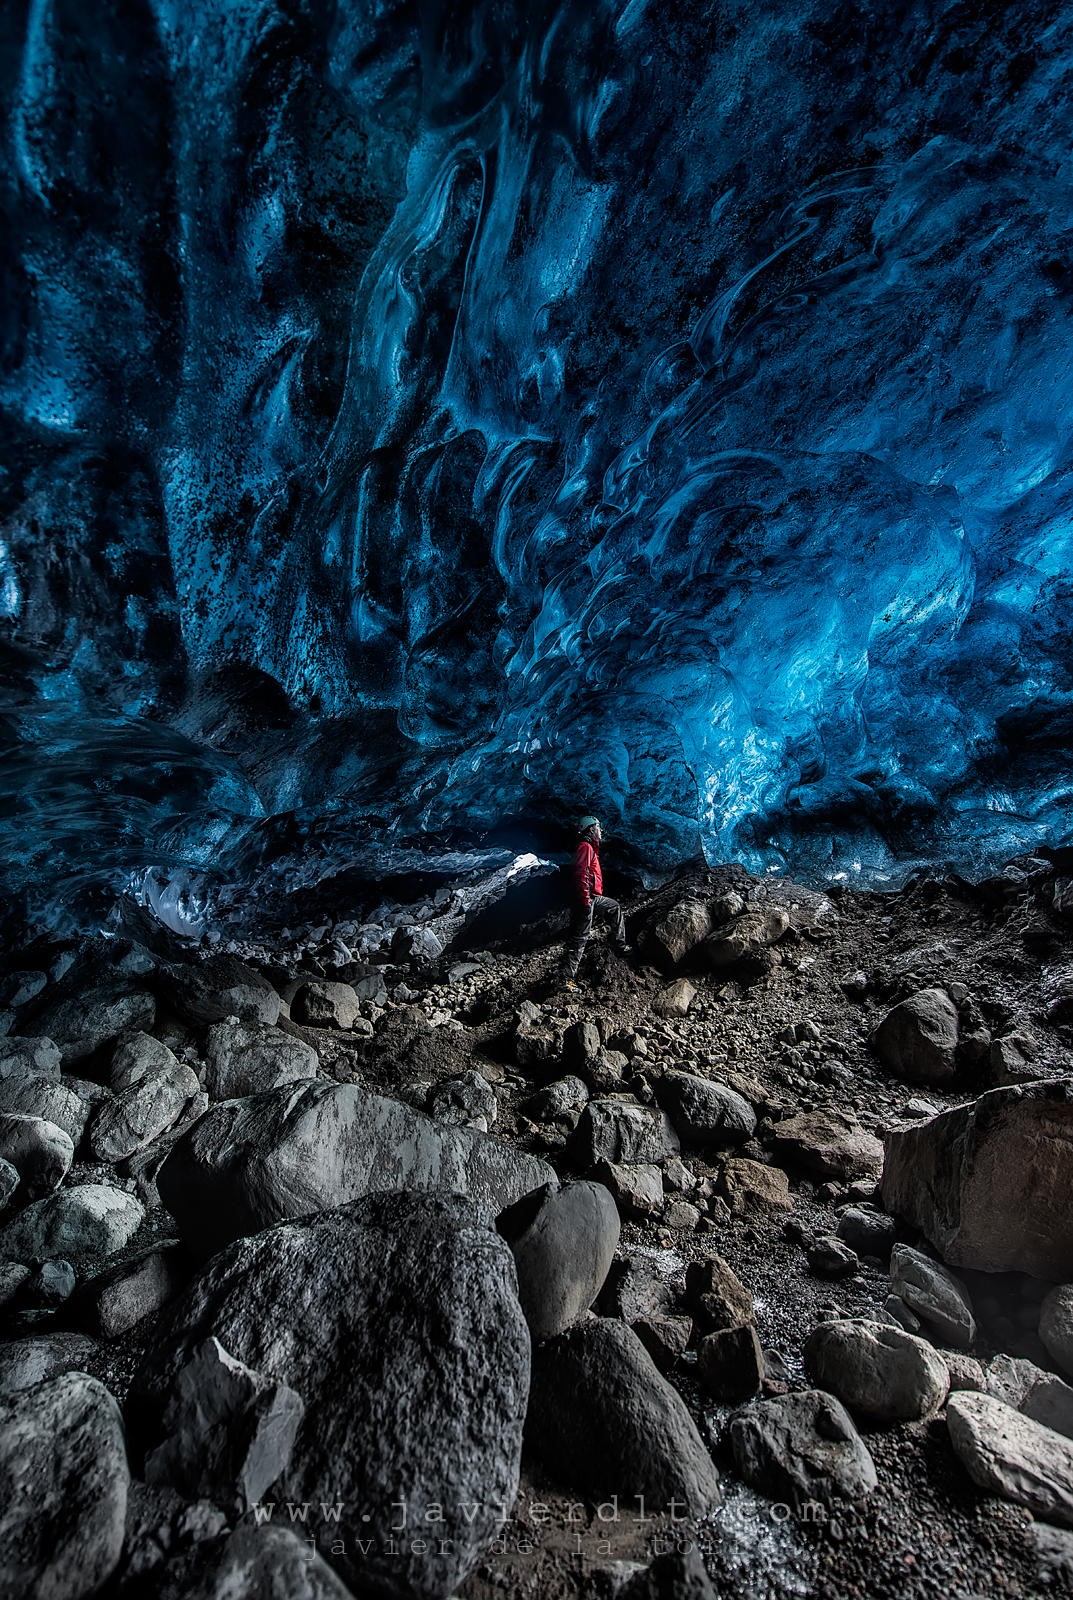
{"x":563,"y":1241}
{"x":934,"y":1294}
{"x":9,"y":1182}
{"x":63,"y":1489}
{"x":81,"y":1025}
{"x":48,"y":1099}
{"x":828,"y":1144}
{"x":135,"y":1056}
{"x":639,"y":1295}
{"x":244,"y":1058}
{"x":730,"y":1363}
{"x":321,"y":1003}
{"x":92,"y":1220}
{"x":869,"y":1233}
{"x":917,"y":1039}
{"x":1032,"y":1391}
{"x":1012,"y":1059}
{"x":308,"y":1147}
{"x":40,"y":1152}
{"x":467,"y":1100}
{"x":398,"y":1306}
{"x":268,"y":1563}
{"x":680,"y":931}
{"x":752,"y":932}
{"x":752,"y":1189}
{"x":222,"y":987}
{"x":637,"y":1189}
{"x":674,"y":1575}
{"x":417,"y":944}
{"x":27,"y":1362}
{"x":228,"y":1432}
{"x":716,"y":1295}
{"x":1007,"y":1454}
{"x":1056,"y":1326}
{"x":802,"y":1447}
{"x":990,"y":1184}
{"x":140,"y":1113}
{"x":28,"y":1058}
{"x":622,"y":1132}
{"x":878,"y":1370}
{"x":603,"y":1419}
{"x":566,"y":1097}
{"x":705,"y":1113}
{"x":830,"y":1257}
{"x":113,"y":1301}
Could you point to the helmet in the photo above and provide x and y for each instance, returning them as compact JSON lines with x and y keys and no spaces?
{"x":588,"y":822}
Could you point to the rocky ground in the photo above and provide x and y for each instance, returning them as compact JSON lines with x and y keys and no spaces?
{"x":829,"y":1370}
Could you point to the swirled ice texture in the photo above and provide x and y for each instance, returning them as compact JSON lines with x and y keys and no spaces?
{"x":423,"y":415}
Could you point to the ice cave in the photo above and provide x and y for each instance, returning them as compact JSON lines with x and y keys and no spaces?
{"x":536,"y":808}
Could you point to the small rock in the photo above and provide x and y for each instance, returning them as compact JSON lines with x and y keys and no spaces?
{"x":621,"y":1132}
{"x":730,"y":1363}
{"x":831,"y":1257}
{"x":49,"y":1284}
{"x":679,"y":932}
{"x":877,"y":1370}
{"x":965,"y":1372}
{"x":751,"y":1188}
{"x":116,"y":1300}
{"x":9,"y":1182}
{"x":675,"y":1000}
{"x":937,"y":1297}
{"x":566,"y":1097}
{"x":716,"y":1295}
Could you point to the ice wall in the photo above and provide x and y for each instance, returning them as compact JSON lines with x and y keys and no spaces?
{"x":420,"y":415}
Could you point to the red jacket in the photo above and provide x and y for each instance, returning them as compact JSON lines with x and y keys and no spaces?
{"x":588,"y":879}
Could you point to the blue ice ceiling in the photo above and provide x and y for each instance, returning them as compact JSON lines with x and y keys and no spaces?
{"x":420,"y":415}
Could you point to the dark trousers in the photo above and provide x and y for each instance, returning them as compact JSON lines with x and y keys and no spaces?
{"x":601,"y":905}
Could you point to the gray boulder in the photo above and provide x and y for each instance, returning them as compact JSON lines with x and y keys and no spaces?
{"x":308,"y":1147}
{"x":267,"y":1563}
{"x":563,"y":1241}
{"x":136,"y":1055}
{"x":244,"y":1058}
{"x":1007,"y":1454}
{"x":876,"y":1369}
{"x":623,"y":1133}
{"x":1031,"y":1390}
{"x":802,"y":1447}
{"x":139,"y":1114}
{"x":228,"y":1431}
{"x":917,"y":1039}
{"x":566,"y":1097}
{"x":467,"y":1100}
{"x":113,"y":1301}
{"x":869,"y":1233}
{"x":706,"y":1113}
{"x":637,"y":1189}
{"x":80,"y":1026}
{"x":63,"y":1489}
{"x":1056,"y":1326}
{"x":675,"y":935}
{"x":40,"y":1152}
{"x":26,"y":1362}
{"x":222,"y":987}
{"x":730,"y":1363}
{"x":322,"y":1003}
{"x":91,"y":1220}
{"x":28,"y":1058}
{"x":937,"y":1297}
{"x":604,"y":1420}
{"x":990,"y":1184}
{"x":828,"y":1143}
{"x":48,"y":1099}
{"x":750,"y":933}
{"x":400,"y":1307}
{"x":9,"y":1182}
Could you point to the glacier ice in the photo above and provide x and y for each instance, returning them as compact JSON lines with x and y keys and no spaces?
{"x":423,"y":415}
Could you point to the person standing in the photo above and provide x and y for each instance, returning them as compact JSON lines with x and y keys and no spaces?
{"x":589,"y":899}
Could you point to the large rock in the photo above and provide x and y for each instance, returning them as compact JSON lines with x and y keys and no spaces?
{"x":623,"y":1133}
{"x":917,"y":1039}
{"x":222,"y":987}
{"x":934,"y":1294}
{"x":80,"y":1026}
{"x":26,"y":1362}
{"x":1006,"y":1453}
{"x":308,"y":1147}
{"x":140,"y":1113}
{"x":63,"y":1489}
{"x":75,"y":1224}
{"x":228,"y":1431}
{"x":679,"y":932}
{"x":990,"y":1184}
{"x":829,"y":1144}
{"x":268,"y":1563}
{"x":878,"y":1370}
{"x":604,"y":1420}
{"x":676,"y":999}
{"x":1031,"y":1390}
{"x":706,"y":1113}
{"x":113,"y":1301}
{"x":323,"y":1003}
{"x":802,"y":1447}
{"x":1056,"y":1326}
{"x":49,"y":1099}
{"x":396,"y":1319}
{"x":563,"y":1242}
{"x":136,"y":1055}
{"x":752,"y":1189}
{"x":753,"y":931}
{"x":244,"y":1058}
{"x":28,"y":1057}
{"x":40,"y":1152}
